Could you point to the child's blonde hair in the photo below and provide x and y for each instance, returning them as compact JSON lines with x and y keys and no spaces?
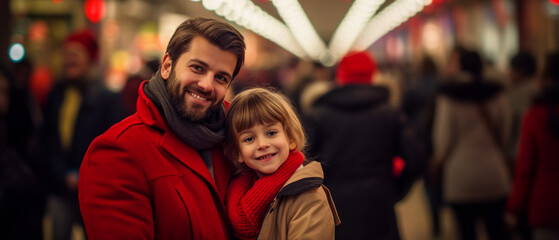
{"x":260,"y":106}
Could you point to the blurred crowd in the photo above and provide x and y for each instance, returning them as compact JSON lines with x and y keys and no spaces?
{"x":485,"y":144}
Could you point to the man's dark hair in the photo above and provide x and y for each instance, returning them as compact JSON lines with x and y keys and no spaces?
{"x":225,"y":36}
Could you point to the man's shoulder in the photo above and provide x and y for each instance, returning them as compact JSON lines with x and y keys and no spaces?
{"x":129,"y":127}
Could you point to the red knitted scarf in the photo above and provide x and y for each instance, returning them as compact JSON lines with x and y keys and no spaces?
{"x":248,"y":198}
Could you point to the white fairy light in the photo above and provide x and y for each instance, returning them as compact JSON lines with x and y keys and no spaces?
{"x":300,"y":26}
{"x":252,"y":17}
{"x":352,"y":25}
{"x":395,"y":14}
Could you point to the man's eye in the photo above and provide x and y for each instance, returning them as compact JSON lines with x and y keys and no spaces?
{"x":196,"y":68}
{"x":222,"y":79}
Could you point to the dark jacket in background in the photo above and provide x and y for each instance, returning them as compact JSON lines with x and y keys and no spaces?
{"x":356,"y":134}
{"x":99,"y":109}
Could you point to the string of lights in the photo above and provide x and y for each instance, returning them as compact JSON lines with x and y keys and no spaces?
{"x":359,"y":29}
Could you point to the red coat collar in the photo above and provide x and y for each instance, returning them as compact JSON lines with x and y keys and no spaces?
{"x":150,"y":115}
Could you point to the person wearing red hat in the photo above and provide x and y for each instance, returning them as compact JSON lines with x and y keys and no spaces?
{"x":78,"y":109}
{"x":356,"y":68}
{"x":356,"y":134}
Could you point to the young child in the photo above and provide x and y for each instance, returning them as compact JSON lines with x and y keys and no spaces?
{"x":276,"y":193}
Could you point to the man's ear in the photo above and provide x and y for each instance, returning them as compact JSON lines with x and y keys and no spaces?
{"x":166,"y":65}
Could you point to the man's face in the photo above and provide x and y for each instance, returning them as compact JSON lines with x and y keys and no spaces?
{"x":76,"y":61}
{"x":199,"y":79}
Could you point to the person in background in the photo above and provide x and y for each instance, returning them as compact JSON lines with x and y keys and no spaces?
{"x":321,"y":82}
{"x":129,"y":92}
{"x":23,"y":127}
{"x":520,"y":93}
{"x":78,"y":109}
{"x":470,"y":128}
{"x":161,"y":173}
{"x":521,"y":90}
{"x":277,"y":194}
{"x":356,"y":134}
{"x":418,"y":103}
{"x":24,"y":116}
{"x":21,"y":197}
{"x":535,"y":192}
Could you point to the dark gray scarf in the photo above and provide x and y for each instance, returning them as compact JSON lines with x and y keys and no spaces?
{"x":200,"y":136}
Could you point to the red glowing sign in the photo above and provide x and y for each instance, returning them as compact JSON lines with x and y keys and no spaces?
{"x":554,"y":2}
{"x":94,"y":10}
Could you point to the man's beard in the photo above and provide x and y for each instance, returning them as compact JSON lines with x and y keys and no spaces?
{"x":192,"y":113}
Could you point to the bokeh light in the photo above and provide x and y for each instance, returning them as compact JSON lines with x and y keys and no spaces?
{"x":95,"y":10}
{"x":16,"y":52}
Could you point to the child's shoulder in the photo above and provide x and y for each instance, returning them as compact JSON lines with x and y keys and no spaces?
{"x":306,"y":178}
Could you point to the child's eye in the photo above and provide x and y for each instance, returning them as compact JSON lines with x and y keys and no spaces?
{"x":272,"y":133}
{"x":248,"y":139}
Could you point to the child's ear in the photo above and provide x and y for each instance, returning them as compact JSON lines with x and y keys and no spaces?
{"x":292,"y":145}
{"x":240,"y":160}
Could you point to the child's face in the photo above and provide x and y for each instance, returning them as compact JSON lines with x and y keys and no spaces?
{"x":264,"y":148}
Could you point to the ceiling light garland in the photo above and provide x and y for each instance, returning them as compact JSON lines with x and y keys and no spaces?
{"x":252,"y":17}
{"x":359,"y":29}
{"x":390,"y":17}
{"x":352,"y":25}
{"x":301,"y":28}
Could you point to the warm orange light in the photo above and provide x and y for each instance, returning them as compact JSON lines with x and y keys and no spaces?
{"x":38,"y":31}
{"x":94,"y":10}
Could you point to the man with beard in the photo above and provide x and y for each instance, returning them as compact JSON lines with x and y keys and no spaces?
{"x":161,"y":173}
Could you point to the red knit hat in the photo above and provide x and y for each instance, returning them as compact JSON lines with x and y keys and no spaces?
{"x":356,"y":68}
{"x":87,"y":39}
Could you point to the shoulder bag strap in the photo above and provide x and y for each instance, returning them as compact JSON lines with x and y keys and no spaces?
{"x":494,"y":134}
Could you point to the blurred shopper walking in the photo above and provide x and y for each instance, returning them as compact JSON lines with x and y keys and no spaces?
{"x":355,"y":134}
{"x":471,"y":124}
{"x":79,"y":108}
{"x":535,"y":190}
{"x":521,"y":92}
{"x":418,"y":105}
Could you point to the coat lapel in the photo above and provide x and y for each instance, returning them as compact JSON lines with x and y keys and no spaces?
{"x":187,"y":155}
{"x":222,"y":171}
